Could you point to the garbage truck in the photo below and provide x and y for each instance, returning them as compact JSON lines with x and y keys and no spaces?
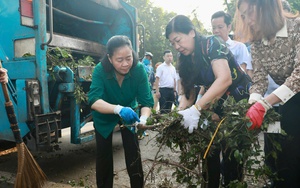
{"x":45,"y":102}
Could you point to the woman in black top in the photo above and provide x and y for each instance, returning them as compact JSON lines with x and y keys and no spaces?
{"x":206,"y":61}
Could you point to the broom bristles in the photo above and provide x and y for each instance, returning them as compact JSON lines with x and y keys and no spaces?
{"x":29,"y":174}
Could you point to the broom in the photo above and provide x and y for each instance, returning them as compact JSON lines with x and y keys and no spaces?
{"x":29,"y":174}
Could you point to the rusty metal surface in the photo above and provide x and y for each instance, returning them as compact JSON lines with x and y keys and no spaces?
{"x":80,"y":45}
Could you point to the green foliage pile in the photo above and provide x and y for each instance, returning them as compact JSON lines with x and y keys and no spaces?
{"x":233,"y":133}
{"x":63,"y":58}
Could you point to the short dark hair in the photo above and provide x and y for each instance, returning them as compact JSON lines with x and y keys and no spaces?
{"x":167,"y":51}
{"x":227,"y":17}
{"x":114,"y":43}
{"x":180,"y":24}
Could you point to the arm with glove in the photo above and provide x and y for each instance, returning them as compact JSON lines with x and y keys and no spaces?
{"x":128,"y":115}
{"x":191,"y":117}
{"x":145,"y":113}
{"x":220,"y":85}
{"x":261,"y":105}
{"x":257,"y":112}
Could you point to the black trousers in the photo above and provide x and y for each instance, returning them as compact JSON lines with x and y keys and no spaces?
{"x":288,"y":162}
{"x":228,"y":166}
{"x":104,"y":160}
{"x":166,"y":100}
{"x":269,"y":148}
{"x":231,"y":169}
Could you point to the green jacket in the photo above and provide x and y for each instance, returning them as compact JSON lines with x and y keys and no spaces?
{"x":134,"y":90}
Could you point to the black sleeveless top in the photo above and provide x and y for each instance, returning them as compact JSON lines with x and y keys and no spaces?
{"x":213,"y":47}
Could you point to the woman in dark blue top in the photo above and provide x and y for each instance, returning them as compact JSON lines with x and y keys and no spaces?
{"x":206,"y":61}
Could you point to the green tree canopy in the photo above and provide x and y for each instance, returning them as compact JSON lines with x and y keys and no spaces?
{"x":154,"y":19}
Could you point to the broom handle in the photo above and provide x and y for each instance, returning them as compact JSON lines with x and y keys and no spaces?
{"x":4,"y":88}
{"x":11,"y":113}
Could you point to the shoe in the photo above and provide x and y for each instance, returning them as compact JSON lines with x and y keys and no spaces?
{"x":269,"y":184}
{"x":145,"y":133}
{"x":140,"y":137}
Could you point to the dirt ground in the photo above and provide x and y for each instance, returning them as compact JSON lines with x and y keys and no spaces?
{"x":74,"y":165}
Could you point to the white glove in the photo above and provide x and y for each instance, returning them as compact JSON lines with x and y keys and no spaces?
{"x":254,"y":97}
{"x":141,"y":124}
{"x":143,"y":120}
{"x":205,"y":124}
{"x":191,"y":118}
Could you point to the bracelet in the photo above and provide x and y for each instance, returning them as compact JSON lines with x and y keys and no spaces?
{"x":198,"y":107}
{"x":267,"y":103}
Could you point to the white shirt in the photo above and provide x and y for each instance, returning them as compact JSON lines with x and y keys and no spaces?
{"x":166,"y":74}
{"x":240,"y":53}
{"x":177,"y":82}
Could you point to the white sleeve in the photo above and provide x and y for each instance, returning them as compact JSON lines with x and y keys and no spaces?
{"x":158,"y":72}
{"x":245,"y":56}
{"x":249,"y":64}
{"x":284,"y":93}
{"x":254,"y":97}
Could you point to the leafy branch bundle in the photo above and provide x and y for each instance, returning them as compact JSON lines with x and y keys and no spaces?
{"x":233,"y":133}
{"x":63,"y":58}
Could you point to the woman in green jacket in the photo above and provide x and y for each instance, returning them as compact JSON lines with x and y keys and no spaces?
{"x":119,"y":84}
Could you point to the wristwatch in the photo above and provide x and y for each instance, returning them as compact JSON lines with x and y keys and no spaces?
{"x":198,"y":107}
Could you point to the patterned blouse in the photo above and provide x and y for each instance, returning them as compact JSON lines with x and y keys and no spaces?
{"x":212,"y":47}
{"x":281,"y":60}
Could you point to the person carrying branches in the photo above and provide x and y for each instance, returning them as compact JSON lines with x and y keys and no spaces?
{"x":206,"y":61}
{"x":275,"y":49}
{"x":120,"y":85}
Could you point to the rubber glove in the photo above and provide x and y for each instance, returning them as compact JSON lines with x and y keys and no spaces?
{"x":191,"y":118}
{"x":127,"y":114}
{"x":257,"y":112}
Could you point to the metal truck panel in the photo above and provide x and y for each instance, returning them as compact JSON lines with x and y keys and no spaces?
{"x":21,"y":114}
{"x":81,"y":26}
